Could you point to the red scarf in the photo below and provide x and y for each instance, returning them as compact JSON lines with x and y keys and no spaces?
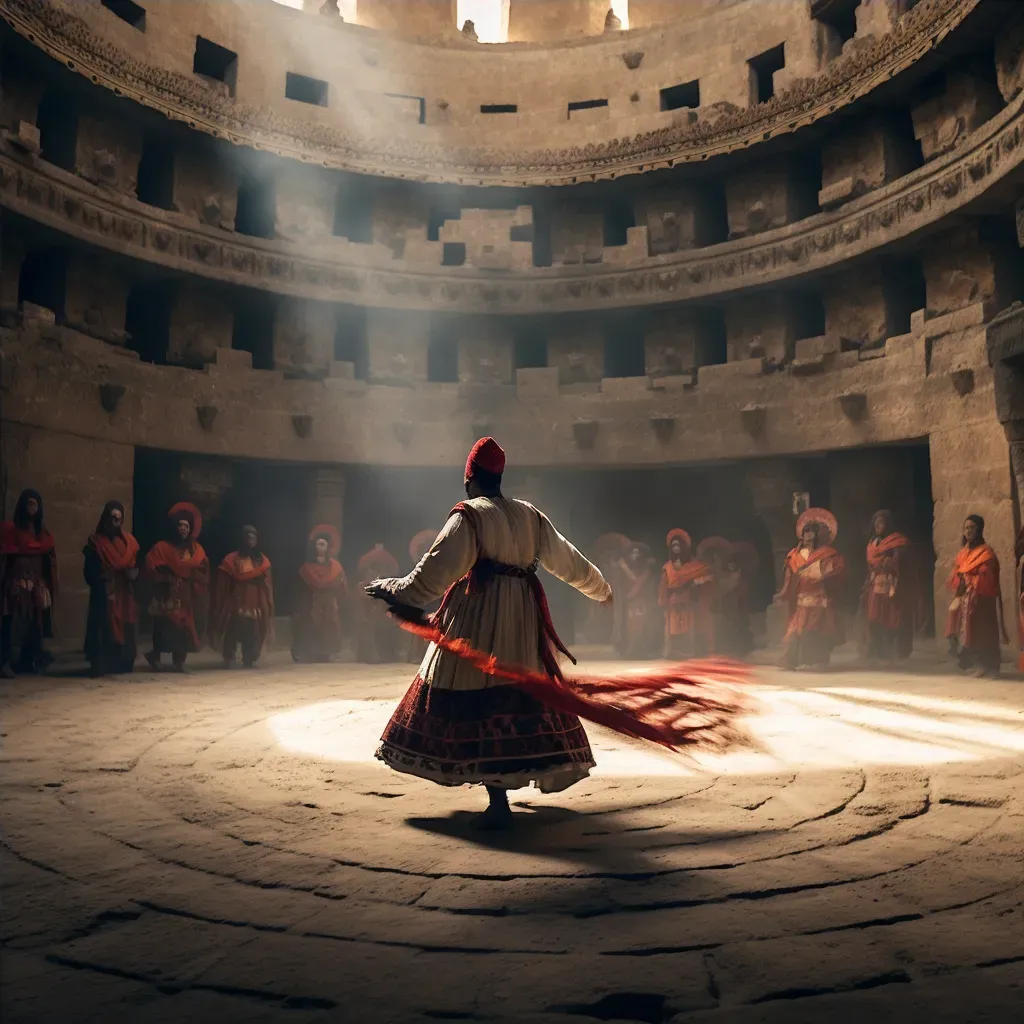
{"x":232,"y":565}
{"x":970,"y":560}
{"x":876,"y":552}
{"x":691,"y":704}
{"x":795,"y":559}
{"x":165,"y":555}
{"x":680,"y":575}
{"x":323,"y":576}
{"x":117,"y":555}
{"x":15,"y":541}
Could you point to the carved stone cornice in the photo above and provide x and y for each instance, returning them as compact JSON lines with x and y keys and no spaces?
{"x":914,"y":203}
{"x":67,"y":38}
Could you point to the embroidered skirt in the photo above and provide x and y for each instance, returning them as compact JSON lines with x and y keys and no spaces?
{"x":498,"y":736}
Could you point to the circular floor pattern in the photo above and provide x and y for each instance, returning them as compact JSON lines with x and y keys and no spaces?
{"x":224,"y":847}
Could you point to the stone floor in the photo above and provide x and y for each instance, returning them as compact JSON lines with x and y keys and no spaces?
{"x":222,"y":847}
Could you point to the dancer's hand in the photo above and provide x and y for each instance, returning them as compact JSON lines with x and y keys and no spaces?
{"x":376,"y":589}
{"x":607,"y":602}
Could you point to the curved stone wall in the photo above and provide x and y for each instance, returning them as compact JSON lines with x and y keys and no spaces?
{"x":362,"y":275}
{"x":408,"y":110}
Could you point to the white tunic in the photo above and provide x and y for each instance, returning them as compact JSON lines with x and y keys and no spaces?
{"x":503,"y":618}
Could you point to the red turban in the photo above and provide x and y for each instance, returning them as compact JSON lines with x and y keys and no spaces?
{"x":487,"y":455}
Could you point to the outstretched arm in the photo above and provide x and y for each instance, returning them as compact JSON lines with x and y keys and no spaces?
{"x":450,"y":557}
{"x":563,"y":560}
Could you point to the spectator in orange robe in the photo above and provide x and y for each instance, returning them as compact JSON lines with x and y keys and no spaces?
{"x":890,"y":595}
{"x":685,"y":593}
{"x":976,"y":612}
{"x":180,"y":574}
{"x":111,"y":556}
{"x":243,"y":601}
{"x":316,"y":626}
{"x":814,"y":574}
{"x":377,"y":639}
{"x":28,"y":588}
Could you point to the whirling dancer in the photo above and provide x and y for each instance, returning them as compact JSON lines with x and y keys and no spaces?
{"x":814,"y":573}
{"x":180,"y":573}
{"x":418,"y":547}
{"x":316,"y":625}
{"x":490,"y":705}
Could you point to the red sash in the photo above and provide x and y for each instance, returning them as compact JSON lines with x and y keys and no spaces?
{"x":117,"y":554}
{"x":885,"y":547}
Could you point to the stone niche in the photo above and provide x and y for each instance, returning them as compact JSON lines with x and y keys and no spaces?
{"x":770,"y":195}
{"x":976,"y":263}
{"x":399,"y":214}
{"x":969,"y":98}
{"x":304,"y":203}
{"x":108,"y":152}
{"x":493,"y":239}
{"x":683,"y":218}
{"x":576,"y":349}
{"x":1010,"y":60}
{"x":205,"y":187}
{"x":865,"y":157}
{"x":96,"y":296}
{"x":485,"y":351}
{"x":304,"y":337}
{"x":866,"y":305}
{"x":397,"y":341}
{"x":677,"y":342}
{"x":19,"y":96}
{"x":577,"y":234}
{"x":765,"y":326}
{"x":200,"y":323}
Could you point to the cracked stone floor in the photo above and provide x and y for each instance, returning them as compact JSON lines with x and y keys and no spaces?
{"x":222,"y":847}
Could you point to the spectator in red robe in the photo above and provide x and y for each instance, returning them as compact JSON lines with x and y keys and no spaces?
{"x":111,"y":556}
{"x":685,"y":593}
{"x":377,"y":641}
{"x":639,"y":574}
{"x":890,"y":594}
{"x":179,"y":572}
{"x":976,"y":613}
{"x":814,"y":573}
{"x":316,"y":625}
{"x":243,"y":602}
{"x":28,"y":588}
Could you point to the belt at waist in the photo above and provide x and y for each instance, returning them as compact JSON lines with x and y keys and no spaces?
{"x":488,"y":567}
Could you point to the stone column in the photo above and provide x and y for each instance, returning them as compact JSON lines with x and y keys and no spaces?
{"x":327,"y":498}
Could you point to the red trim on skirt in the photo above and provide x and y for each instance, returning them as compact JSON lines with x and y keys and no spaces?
{"x":498,"y":736}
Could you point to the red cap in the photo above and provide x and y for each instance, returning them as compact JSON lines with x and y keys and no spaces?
{"x":487,"y":455}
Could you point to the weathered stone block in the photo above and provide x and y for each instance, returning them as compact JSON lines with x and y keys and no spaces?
{"x":725,"y":375}
{"x":625,"y":387}
{"x":967,"y":103}
{"x":1010,"y":59}
{"x":536,"y":383}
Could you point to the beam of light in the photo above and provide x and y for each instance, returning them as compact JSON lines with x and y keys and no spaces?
{"x":297,"y":4}
{"x":621,"y":9}
{"x":796,"y":728}
{"x":489,"y":17}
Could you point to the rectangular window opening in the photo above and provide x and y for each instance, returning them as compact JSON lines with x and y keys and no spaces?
{"x":253,"y":330}
{"x":499,"y":108}
{"x":57,"y":121}
{"x":442,"y":357}
{"x":586,"y":105}
{"x":351,"y":344}
{"x":127,"y":11}
{"x":256,"y":214}
{"x":305,"y":90}
{"x":762,"y":70}
{"x":353,"y":212}
{"x":676,"y":97}
{"x":155,"y":182}
{"x":148,"y":320}
{"x":531,"y":350}
{"x":454,"y":254}
{"x":43,"y":280}
{"x":216,"y":62}
{"x":838,"y":15}
{"x":418,"y":100}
